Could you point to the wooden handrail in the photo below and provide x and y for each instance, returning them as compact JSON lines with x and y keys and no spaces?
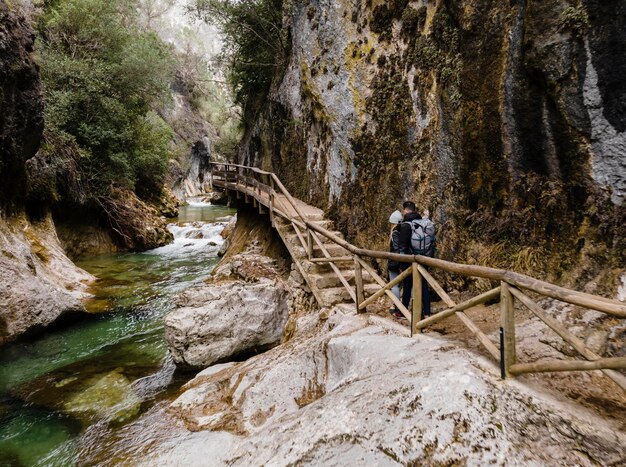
{"x":567,"y":336}
{"x":510,"y":282}
{"x":574,"y":297}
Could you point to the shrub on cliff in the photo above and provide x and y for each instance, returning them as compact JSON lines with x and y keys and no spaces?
{"x":103,"y":74}
{"x":255,"y":45}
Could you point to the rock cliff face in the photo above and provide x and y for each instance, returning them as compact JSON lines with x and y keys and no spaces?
{"x":504,"y":119}
{"x":38,"y":283}
{"x":21,"y":119}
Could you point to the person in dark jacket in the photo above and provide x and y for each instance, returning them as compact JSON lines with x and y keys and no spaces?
{"x":405,"y":232}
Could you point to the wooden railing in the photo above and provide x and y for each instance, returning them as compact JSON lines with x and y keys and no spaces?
{"x":265,"y":189}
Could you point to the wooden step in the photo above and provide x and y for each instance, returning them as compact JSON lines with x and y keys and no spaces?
{"x":324,"y":268}
{"x":335,"y":295}
{"x":332,"y":248}
{"x":293,"y":238}
{"x":329,"y":279}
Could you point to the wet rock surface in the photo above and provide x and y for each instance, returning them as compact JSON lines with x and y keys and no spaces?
{"x":21,"y":120}
{"x":357,"y":389}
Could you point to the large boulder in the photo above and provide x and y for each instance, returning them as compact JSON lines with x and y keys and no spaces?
{"x":359,"y":390}
{"x":38,"y":283}
{"x":243,"y":310}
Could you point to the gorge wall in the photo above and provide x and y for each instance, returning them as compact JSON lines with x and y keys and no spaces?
{"x":38,"y":283}
{"x":505,"y":120}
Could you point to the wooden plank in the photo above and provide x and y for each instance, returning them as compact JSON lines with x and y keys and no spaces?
{"x":507,"y":310}
{"x":299,"y":235}
{"x":482,"y":298}
{"x":332,"y":259}
{"x":482,"y":338}
{"x":416,"y":315}
{"x":382,"y":283}
{"x":358,"y":281}
{"x":309,"y":243}
{"x":290,"y":198}
{"x":567,"y":336}
{"x":335,"y":268}
{"x":271,"y":202}
{"x":407,"y":272}
{"x":435,"y":285}
{"x":614,"y":363}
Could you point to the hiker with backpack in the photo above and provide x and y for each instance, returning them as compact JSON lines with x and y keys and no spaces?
{"x":416,"y":236}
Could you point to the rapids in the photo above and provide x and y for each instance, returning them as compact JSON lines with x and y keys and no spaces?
{"x":63,"y":393}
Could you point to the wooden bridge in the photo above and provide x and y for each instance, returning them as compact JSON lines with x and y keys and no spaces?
{"x":338,"y":272}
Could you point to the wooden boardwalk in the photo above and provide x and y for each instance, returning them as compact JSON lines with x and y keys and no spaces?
{"x":338,"y":272}
{"x":325,"y":284}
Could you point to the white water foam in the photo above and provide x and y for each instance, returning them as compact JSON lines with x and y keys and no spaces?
{"x":198,"y":202}
{"x":192,"y":237}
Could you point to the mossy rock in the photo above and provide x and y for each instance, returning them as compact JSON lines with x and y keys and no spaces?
{"x":109,"y":396}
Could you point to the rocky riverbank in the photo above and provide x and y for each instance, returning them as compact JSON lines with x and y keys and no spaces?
{"x":358,"y":389}
{"x":248,"y":304}
{"x":340,"y":388}
{"x":38,"y":283}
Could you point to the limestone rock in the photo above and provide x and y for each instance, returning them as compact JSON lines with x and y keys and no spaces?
{"x":217,"y":322}
{"x":546,"y":81}
{"x":38,"y":283}
{"x":360,"y":393}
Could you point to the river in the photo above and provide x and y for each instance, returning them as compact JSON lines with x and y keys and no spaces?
{"x":84,"y":379}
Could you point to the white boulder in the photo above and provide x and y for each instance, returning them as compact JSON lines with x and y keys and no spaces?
{"x":220,"y":321}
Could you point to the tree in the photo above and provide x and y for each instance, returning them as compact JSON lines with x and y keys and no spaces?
{"x":255,"y":44}
{"x":103,"y":74}
{"x":151,"y":10}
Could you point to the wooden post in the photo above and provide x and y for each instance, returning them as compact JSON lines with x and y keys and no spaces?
{"x":416,"y":313}
{"x":309,"y":243}
{"x":358,"y":281}
{"x":508,"y":324}
{"x":271,"y":202}
{"x":258,"y":186}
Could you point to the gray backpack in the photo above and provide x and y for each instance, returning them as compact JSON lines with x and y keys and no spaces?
{"x":423,"y":237}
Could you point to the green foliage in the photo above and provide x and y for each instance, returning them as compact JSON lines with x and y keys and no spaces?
{"x":255,"y":45}
{"x":102,"y":76}
{"x":575,"y":19}
{"x":209,"y":98}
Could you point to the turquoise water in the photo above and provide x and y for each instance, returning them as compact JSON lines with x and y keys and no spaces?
{"x":105,"y":369}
